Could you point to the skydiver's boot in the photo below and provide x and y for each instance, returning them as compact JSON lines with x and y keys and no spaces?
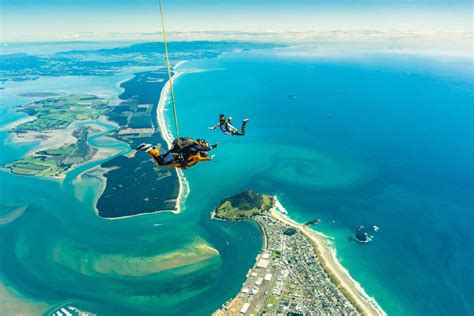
{"x":244,"y":124}
{"x":148,"y":148}
{"x":144,"y":147}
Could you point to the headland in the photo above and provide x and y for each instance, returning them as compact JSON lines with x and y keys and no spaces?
{"x":296,"y":271}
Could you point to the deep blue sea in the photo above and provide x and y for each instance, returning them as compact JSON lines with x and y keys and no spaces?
{"x":367,"y":140}
{"x":376,"y":139}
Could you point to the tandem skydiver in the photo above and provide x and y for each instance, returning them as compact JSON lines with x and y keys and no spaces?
{"x":186,"y":152}
{"x":197,"y":153}
{"x":229,"y":129}
{"x":199,"y":150}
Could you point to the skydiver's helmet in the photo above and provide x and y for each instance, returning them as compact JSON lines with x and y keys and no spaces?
{"x":201,"y":142}
{"x":222,"y":118}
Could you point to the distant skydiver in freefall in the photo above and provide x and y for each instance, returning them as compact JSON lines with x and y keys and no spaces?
{"x":229,"y":129}
{"x":185,"y":152}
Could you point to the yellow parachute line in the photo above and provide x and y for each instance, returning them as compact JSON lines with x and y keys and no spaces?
{"x":169,"y":70}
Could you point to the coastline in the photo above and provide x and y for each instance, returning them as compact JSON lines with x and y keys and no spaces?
{"x":100,"y":154}
{"x":326,"y":253}
{"x":59,"y":138}
{"x":98,"y":172}
{"x":168,"y":137}
{"x":17,"y":122}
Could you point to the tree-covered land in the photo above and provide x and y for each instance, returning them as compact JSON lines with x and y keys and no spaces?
{"x":244,"y":205}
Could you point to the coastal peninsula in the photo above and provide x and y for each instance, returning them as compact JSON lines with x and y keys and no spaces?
{"x":133,"y":184}
{"x":295,"y":273}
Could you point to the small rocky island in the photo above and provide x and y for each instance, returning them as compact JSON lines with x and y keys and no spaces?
{"x":313,"y":222}
{"x":361,"y":235}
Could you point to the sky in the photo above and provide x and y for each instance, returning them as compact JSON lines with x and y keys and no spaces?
{"x":53,"y":20}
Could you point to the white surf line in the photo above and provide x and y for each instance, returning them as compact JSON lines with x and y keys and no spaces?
{"x":168,"y":137}
{"x":325,"y":241}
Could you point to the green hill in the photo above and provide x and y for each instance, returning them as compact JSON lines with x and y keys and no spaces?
{"x":244,"y":205}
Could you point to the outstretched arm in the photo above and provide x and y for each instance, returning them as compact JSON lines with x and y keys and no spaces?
{"x":214,"y":127}
{"x":197,"y":158}
{"x":207,"y":148}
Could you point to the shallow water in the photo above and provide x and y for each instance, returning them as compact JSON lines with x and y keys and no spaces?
{"x":59,"y":251}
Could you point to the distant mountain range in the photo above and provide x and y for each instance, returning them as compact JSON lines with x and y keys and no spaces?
{"x":103,"y":62}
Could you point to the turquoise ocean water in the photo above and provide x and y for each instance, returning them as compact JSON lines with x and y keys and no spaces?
{"x":374,"y":140}
{"x":370,"y":140}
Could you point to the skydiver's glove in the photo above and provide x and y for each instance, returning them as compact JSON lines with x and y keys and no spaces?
{"x":212,"y":157}
{"x":215,"y":145}
{"x":229,"y":118}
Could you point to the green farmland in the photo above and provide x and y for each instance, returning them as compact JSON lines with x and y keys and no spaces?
{"x":60,"y":112}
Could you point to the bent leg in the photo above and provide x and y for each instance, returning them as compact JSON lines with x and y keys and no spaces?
{"x":242,"y":129}
{"x":166,"y":160}
{"x":244,"y":124}
{"x":155,"y":154}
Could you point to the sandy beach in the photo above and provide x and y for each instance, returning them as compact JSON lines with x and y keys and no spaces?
{"x":17,"y":122}
{"x":326,"y":253}
{"x":168,"y":137}
{"x":15,"y":212}
{"x":13,"y":302}
{"x":50,"y":139}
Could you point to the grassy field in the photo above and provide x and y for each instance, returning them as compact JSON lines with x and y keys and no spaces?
{"x":60,"y":112}
{"x":52,"y":114}
{"x":35,"y":165}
